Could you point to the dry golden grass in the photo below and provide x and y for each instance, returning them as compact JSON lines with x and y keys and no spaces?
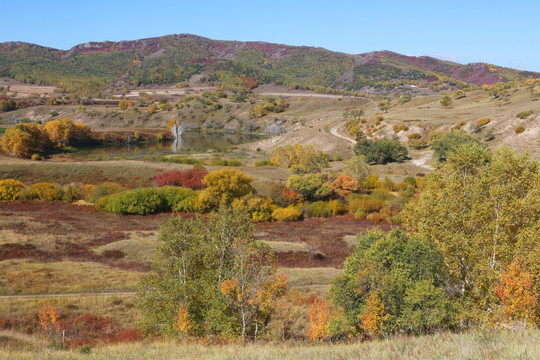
{"x":26,"y":277}
{"x":477,"y":345}
{"x":140,"y":246}
{"x":301,"y":277}
{"x":118,"y":308}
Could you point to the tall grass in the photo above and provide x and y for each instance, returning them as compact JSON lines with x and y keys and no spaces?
{"x":476,"y":345}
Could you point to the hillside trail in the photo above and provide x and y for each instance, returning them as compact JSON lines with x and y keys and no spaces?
{"x":334,"y":132}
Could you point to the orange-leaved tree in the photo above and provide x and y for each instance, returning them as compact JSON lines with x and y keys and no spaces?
{"x":48,"y":318}
{"x":373,"y":317}
{"x":183,"y":324}
{"x":519,"y":299}
{"x":319,"y":320}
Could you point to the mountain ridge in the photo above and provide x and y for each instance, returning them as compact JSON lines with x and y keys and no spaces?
{"x":175,"y":58}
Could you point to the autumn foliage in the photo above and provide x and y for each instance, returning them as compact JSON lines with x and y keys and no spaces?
{"x":48,"y":319}
{"x":373,"y":316}
{"x":319,"y":320}
{"x":191,"y":178}
{"x":518,"y":296}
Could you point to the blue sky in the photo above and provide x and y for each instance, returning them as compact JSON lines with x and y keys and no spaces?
{"x":499,"y":32}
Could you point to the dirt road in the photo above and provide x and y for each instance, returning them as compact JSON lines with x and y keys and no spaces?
{"x":334,"y":132}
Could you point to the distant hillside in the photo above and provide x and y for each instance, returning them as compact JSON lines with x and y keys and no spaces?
{"x":89,"y":68}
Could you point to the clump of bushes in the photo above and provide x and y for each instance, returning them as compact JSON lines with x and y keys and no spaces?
{"x":263,"y":163}
{"x":260,"y":208}
{"x":99,"y":191}
{"x":290,"y":213}
{"x":401,"y":127}
{"x":222,"y":162}
{"x":10,"y":189}
{"x":191,"y":178}
{"x":519,"y":129}
{"x":145,"y":201}
{"x":483,"y":122}
{"x":42,"y":191}
{"x":381,"y":151}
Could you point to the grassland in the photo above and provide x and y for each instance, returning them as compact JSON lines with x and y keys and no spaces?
{"x":477,"y":345}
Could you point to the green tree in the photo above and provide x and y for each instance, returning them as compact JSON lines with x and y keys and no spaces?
{"x":446,"y":101}
{"x":481,"y":211}
{"x":311,"y":186}
{"x":381,"y":151}
{"x":123,"y":104}
{"x":357,"y":168}
{"x":223,"y":187}
{"x":404,"y":273}
{"x":443,"y":143}
{"x":211,"y":269}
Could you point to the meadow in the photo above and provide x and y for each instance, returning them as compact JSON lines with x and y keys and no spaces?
{"x":87,"y":263}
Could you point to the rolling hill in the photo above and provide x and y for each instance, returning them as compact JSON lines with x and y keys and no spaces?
{"x":91,"y":67}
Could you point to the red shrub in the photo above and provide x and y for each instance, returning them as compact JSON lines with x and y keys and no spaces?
{"x":191,"y":178}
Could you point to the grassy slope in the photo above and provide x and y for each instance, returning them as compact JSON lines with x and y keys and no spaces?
{"x":500,"y":345}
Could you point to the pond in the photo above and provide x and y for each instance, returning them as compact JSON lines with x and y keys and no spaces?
{"x":191,"y":142}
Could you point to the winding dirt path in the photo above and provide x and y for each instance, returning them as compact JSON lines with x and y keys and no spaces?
{"x":334,"y":132}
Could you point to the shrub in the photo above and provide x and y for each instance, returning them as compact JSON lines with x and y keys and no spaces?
{"x":381,"y":151}
{"x":258,"y":207}
{"x":178,"y":198}
{"x":223,"y":187}
{"x":397,"y":128}
{"x":524,"y":114}
{"x":10,"y":189}
{"x":191,"y":178}
{"x":310,"y":186}
{"x":414,"y":136}
{"x":72,"y":192}
{"x":336,"y":207}
{"x":519,"y":129}
{"x":181,"y":160}
{"x":290,"y":213}
{"x":102,"y":190}
{"x":221,"y":162}
{"x":138,"y":201}
{"x":444,"y":143}
{"x":263,"y":163}
{"x":344,"y":185}
{"x":483,"y":122}
{"x":366,"y":204}
{"x":43,"y":191}
{"x":317,"y":209}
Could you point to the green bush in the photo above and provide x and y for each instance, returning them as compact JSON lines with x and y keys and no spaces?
{"x":263,"y":163}
{"x":72,"y":192}
{"x":43,"y":191}
{"x":317,"y":209}
{"x":381,"y":151}
{"x":221,"y":162}
{"x":310,"y":186}
{"x":102,"y":190}
{"x":178,"y":198}
{"x":290,"y":213}
{"x":444,"y":143}
{"x":366,"y":204}
{"x":140,"y":201}
{"x":336,"y":207}
{"x":524,"y":114}
{"x":10,"y":189}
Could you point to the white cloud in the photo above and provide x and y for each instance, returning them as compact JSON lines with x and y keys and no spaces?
{"x":444,"y":56}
